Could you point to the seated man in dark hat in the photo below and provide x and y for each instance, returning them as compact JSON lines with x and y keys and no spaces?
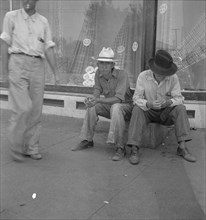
{"x":158,"y":99}
{"x":115,"y":104}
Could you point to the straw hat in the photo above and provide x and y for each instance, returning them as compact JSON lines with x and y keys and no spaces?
{"x":106,"y":55}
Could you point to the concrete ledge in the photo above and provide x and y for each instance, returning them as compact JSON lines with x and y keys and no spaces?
{"x":72,"y":105}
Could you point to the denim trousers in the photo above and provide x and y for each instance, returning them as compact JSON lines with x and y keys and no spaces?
{"x":119,"y":113}
{"x":176,"y":115}
{"x":26,"y":89}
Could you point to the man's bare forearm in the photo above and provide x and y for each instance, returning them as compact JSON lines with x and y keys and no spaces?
{"x":110,"y":100}
{"x":5,"y":57}
{"x":50,"y":56}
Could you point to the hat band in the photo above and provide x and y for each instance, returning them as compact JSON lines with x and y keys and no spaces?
{"x":163,"y":61}
{"x":109,"y":58}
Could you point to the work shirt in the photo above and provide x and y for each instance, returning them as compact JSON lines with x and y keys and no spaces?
{"x":117,"y":86}
{"x":26,"y":34}
{"x":147,"y":89}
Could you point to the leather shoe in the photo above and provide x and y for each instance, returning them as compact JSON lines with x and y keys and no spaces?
{"x":134,"y":157}
{"x":36,"y":156}
{"x":83,"y":145}
{"x":185,"y":154}
{"x":120,"y":153}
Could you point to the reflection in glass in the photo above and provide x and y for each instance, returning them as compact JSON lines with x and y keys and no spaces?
{"x":181,"y":30}
{"x":4,"y":7}
{"x":82,"y":28}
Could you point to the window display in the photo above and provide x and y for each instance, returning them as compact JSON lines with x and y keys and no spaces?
{"x":181,"y":30}
{"x":81,"y":28}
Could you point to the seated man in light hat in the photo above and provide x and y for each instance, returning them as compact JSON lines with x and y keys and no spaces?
{"x":115,"y":105}
{"x":158,"y":99}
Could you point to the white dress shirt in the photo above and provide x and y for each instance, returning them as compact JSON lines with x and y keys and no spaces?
{"x":26,"y":34}
{"x":147,"y":89}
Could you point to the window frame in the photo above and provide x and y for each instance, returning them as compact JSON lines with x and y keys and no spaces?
{"x":148,"y":50}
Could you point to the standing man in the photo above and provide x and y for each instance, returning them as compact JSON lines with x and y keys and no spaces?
{"x":115,"y":105}
{"x":27,"y":41}
{"x":158,"y":99}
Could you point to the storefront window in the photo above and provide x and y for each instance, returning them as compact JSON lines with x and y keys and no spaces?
{"x":82,"y":28}
{"x":4,"y":7}
{"x":181,"y":30}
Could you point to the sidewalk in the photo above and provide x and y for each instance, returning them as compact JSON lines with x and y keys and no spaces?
{"x":89,"y":185}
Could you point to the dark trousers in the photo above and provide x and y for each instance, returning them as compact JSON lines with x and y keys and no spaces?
{"x":176,"y":115}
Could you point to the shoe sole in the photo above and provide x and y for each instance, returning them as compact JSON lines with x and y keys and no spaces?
{"x":117,"y":159}
{"x":134,"y":163}
{"x":180,"y":155}
{"x":34,"y":157}
{"x":78,"y":149}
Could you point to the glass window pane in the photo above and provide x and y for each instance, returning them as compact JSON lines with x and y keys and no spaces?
{"x":181,"y":30}
{"x":16,"y":4}
{"x":4,"y":7}
{"x":81,"y":28}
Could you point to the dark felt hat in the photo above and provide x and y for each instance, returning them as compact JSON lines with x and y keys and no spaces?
{"x":162,"y":63}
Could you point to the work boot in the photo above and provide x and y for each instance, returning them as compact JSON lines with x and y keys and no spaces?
{"x":120,"y":153}
{"x":185,"y":154}
{"x":134,"y":157}
{"x":83,"y":145}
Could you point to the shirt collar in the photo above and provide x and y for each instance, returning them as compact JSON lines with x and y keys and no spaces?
{"x":26,"y":16}
{"x":114,"y":73}
{"x":150,"y":76}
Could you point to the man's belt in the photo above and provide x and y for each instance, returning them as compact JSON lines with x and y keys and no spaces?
{"x":21,"y":53}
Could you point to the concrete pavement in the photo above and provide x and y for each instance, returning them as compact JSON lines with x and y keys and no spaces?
{"x":88,"y":185}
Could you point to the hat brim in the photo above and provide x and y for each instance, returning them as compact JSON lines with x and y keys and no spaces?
{"x":109,"y":60}
{"x":162,"y":71}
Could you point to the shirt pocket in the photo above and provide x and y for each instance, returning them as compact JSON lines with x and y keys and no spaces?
{"x":39,"y":45}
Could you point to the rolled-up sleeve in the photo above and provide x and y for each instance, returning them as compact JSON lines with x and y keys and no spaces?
{"x":6,"y":34}
{"x":122,"y":85}
{"x":48,"y":36}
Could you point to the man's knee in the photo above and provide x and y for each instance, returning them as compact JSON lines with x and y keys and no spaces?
{"x":137,"y":110}
{"x":91,"y":110}
{"x":180,"y":109}
{"x":116,"y":108}
{"x":97,"y":108}
{"x":25,"y":109}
